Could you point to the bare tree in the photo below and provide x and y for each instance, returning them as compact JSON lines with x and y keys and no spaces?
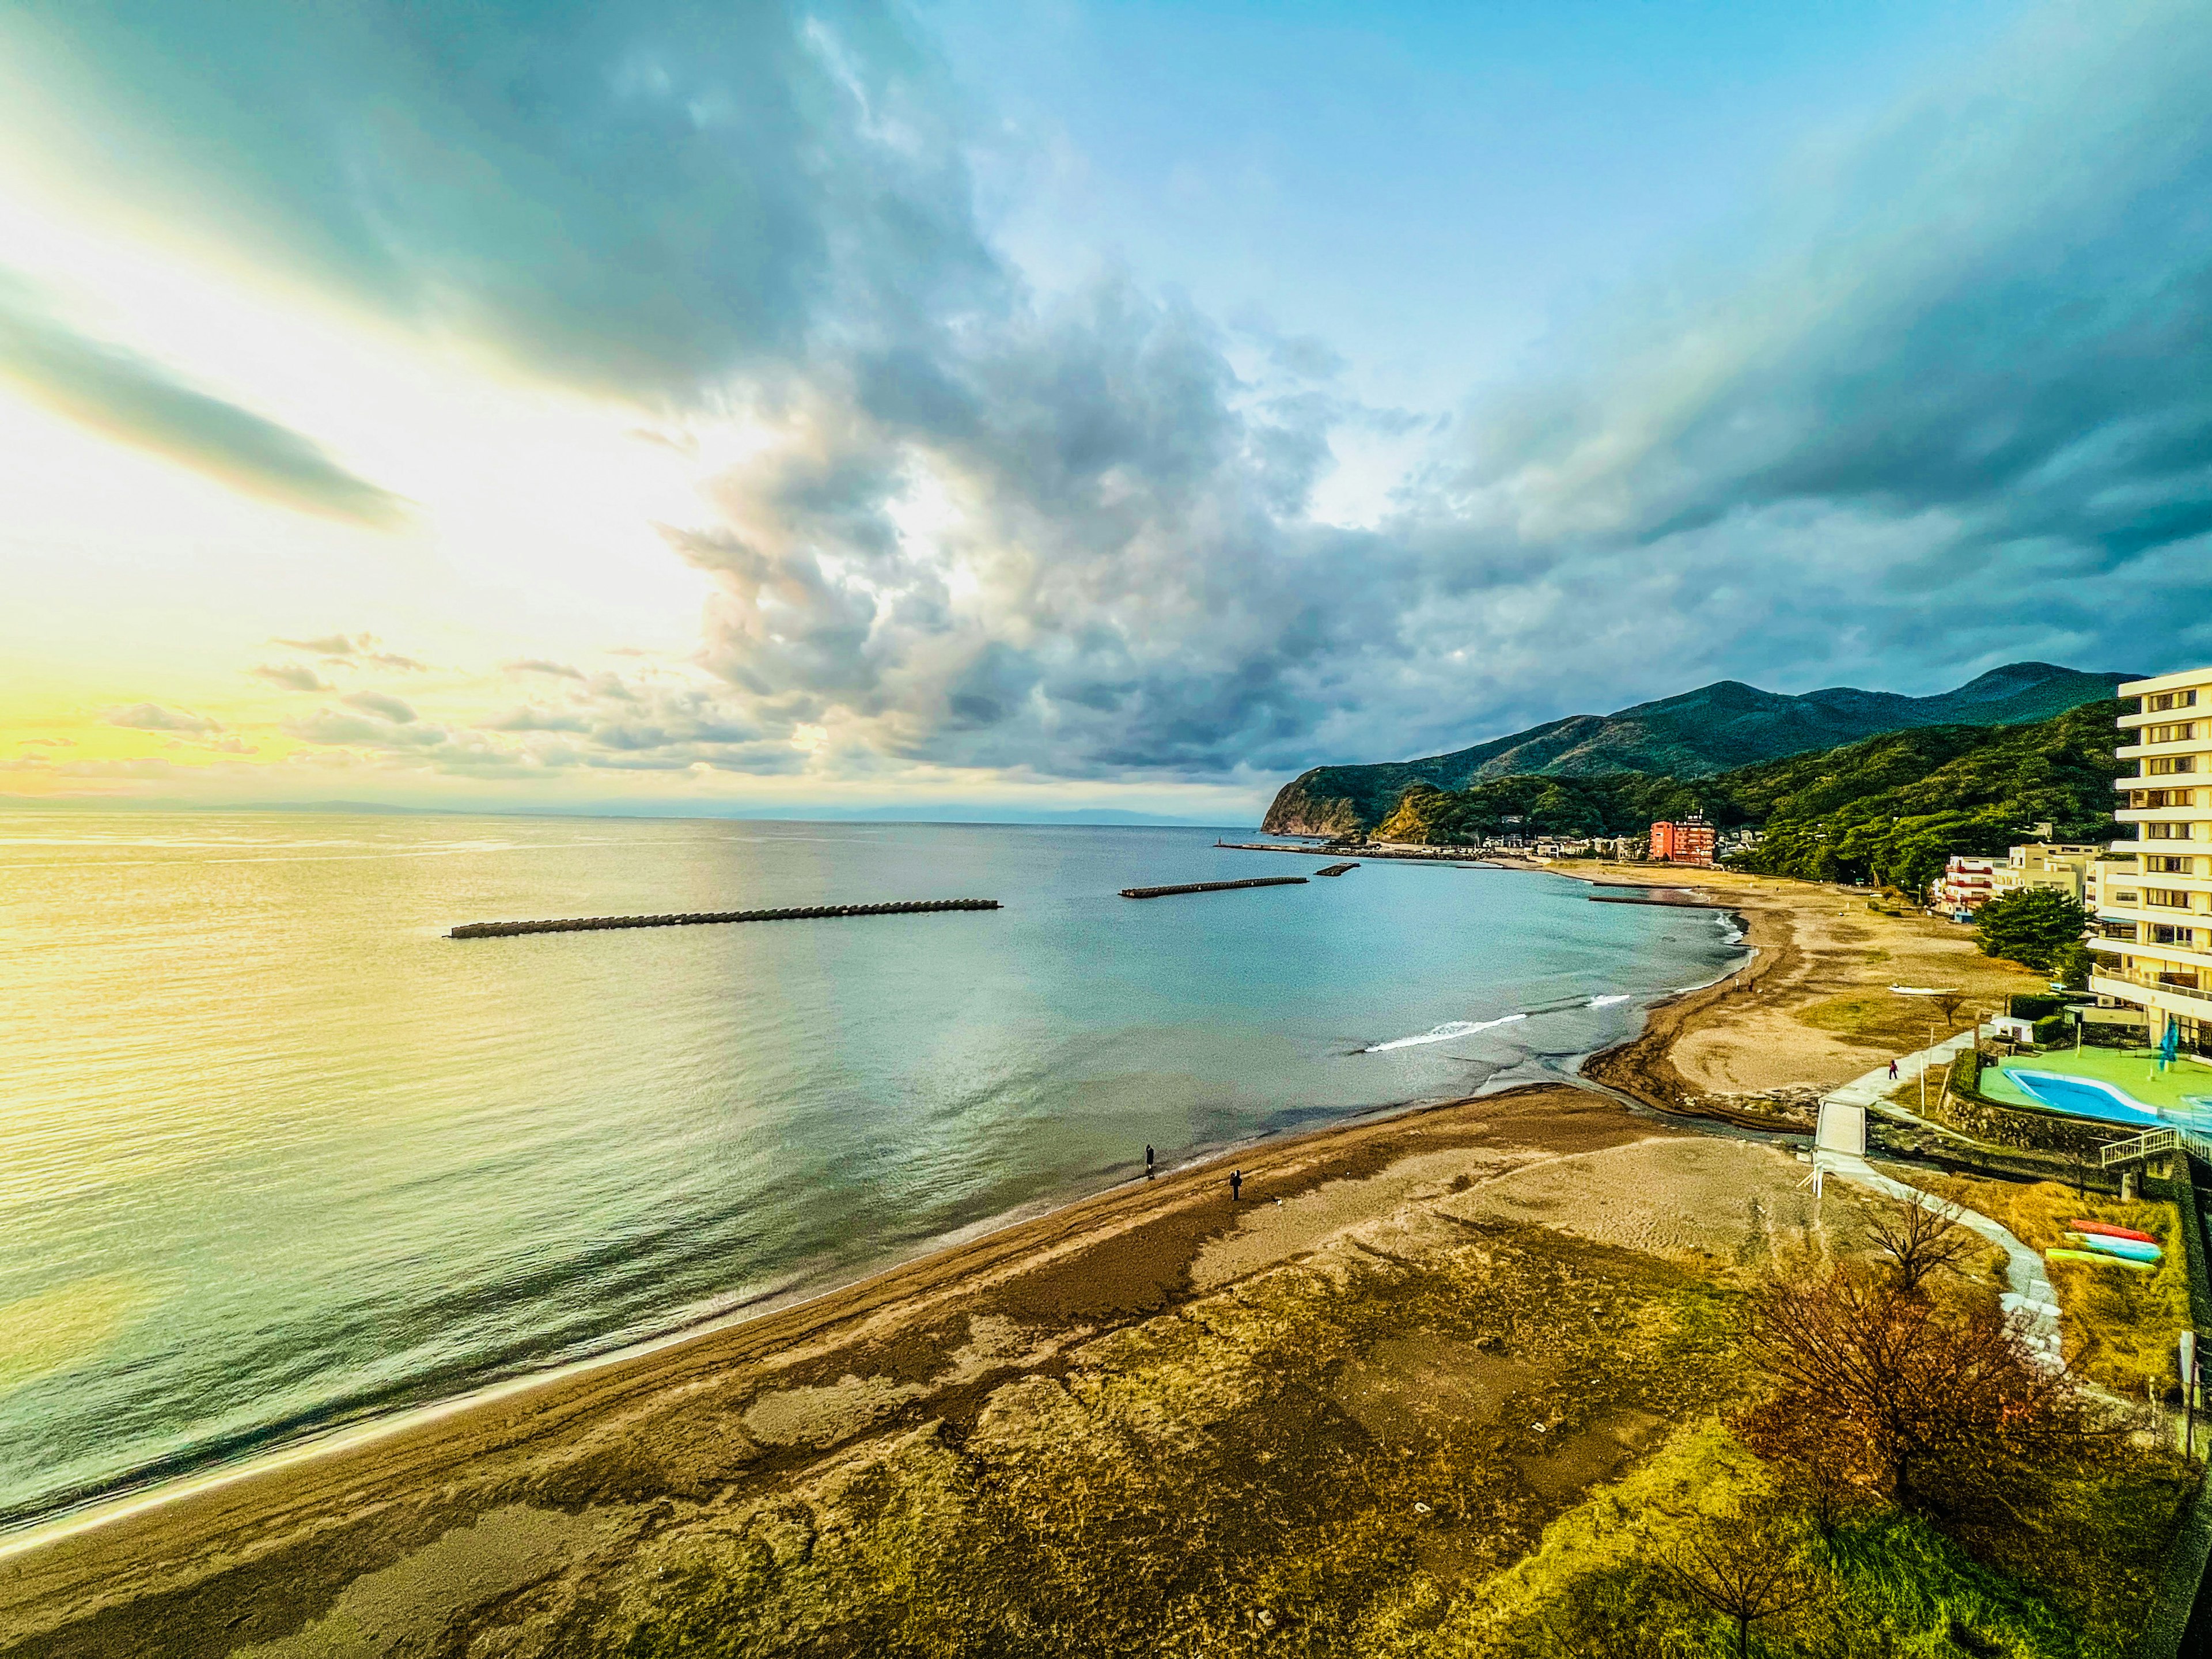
{"x":1918,"y":1239}
{"x":1745,"y":1567}
{"x":1937,"y":1405}
{"x":1947,"y":1004}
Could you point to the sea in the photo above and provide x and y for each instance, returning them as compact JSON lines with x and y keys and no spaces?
{"x":276,"y":1156}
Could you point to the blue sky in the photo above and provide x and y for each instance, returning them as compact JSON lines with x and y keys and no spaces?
{"x":720,"y":407}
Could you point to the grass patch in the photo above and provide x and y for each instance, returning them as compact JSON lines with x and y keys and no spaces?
{"x":2120,"y":1325}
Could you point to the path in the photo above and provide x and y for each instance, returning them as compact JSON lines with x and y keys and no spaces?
{"x":2030,"y":1297}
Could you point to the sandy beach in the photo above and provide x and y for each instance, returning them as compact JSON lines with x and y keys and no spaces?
{"x":1492,"y":1262}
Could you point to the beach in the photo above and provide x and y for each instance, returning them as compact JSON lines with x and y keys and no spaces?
{"x":1538,"y":1261}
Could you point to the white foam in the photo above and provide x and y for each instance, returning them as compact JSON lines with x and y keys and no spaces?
{"x":1444,"y":1033}
{"x":1608,"y":1002}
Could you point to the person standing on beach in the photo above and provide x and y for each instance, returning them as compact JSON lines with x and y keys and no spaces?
{"x":1235,"y":1184}
{"x":1893,"y":1070}
{"x":1148,"y":1160}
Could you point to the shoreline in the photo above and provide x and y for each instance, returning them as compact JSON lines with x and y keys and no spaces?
{"x":346,"y":1435}
{"x":286,"y":1530}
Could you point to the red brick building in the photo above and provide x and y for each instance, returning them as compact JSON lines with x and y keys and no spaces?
{"x":1690,"y":842}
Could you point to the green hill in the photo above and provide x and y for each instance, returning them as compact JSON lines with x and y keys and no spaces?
{"x":1891,"y":808}
{"x":1716,"y":728}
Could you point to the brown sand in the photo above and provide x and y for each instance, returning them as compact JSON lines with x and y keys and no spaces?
{"x":517,"y":1507}
{"x":257,"y":1561}
{"x":1813,"y":1010}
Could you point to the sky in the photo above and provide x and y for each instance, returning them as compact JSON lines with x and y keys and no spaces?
{"x":979,"y":410}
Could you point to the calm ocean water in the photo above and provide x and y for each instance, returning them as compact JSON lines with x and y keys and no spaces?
{"x":274,"y":1154}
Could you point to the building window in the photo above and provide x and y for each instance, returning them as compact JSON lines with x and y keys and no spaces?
{"x":2150,"y":799}
{"x":2167,"y":765}
{"x":2161,"y":933}
{"x":2168,"y":733}
{"x":2165,"y":700}
{"x":2171,"y":898}
{"x":2166,"y":831}
{"x":2127,"y":898}
{"x":2181,"y":979}
{"x":2125,"y":932}
{"x":2170,"y":867}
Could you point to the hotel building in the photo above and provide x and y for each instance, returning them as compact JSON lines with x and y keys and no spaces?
{"x":1689,"y":842}
{"x":2153,"y":939}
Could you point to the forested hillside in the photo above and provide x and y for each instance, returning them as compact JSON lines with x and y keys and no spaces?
{"x":1714,"y":729}
{"x":1891,"y":808}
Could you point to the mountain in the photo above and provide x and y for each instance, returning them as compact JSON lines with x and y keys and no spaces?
{"x":1715,"y":728}
{"x":1893,"y":807}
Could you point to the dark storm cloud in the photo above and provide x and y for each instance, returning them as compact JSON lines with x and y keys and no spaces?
{"x":1950,"y":408}
{"x":123,"y":396}
{"x":630,"y":196}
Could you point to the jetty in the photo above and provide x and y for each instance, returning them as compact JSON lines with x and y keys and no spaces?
{"x":1334,"y":869}
{"x":1681,"y":897}
{"x":1458,"y":858}
{"x":1212,"y":886}
{"x":700,"y":917}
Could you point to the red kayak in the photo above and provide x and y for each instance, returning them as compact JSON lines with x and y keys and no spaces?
{"x":2111,"y":1231}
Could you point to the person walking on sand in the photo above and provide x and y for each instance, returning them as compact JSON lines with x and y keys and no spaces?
{"x":1148,"y":1160}
{"x":1892,"y":1069}
{"x":1235,"y":1184}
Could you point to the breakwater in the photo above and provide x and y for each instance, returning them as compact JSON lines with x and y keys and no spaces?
{"x":1458,"y":858}
{"x":1212,"y":886}
{"x":698,"y":918}
{"x":1334,"y":869}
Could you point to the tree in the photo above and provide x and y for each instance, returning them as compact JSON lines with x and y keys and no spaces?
{"x":2032,"y":927}
{"x":1935,"y":1405}
{"x":1917,"y":1239}
{"x":2072,"y":966}
{"x":1745,"y":1567}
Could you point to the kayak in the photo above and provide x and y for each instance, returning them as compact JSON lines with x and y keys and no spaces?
{"x":2111,"y":1231}
{"x":2094,"y":1259}
{"x":2127,"y":1248}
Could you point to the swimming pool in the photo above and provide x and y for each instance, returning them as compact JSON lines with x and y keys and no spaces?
{"x":2083,"y":1096}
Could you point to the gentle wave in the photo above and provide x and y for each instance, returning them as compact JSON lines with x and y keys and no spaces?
{"x":1610,"y":1002}
{"x":1444,"y":1033}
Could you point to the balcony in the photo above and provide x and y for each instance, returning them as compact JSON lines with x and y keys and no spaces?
{"x":2189,"y":1000}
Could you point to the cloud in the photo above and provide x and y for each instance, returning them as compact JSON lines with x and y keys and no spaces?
{"x":292,"y":675}
{"x":136,"y":401}
{"x":331,"y":645}
{"x":328,"y":726}
{"x":530,"y":718}
{"x":636,"y":199}
{"x":380,"y":703}
{"x":1939,"y":405}
{"x":152,"y":717}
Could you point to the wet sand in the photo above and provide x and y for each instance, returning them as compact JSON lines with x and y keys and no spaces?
{"x":520,"y":1521}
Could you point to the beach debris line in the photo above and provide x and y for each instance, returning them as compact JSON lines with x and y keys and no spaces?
{"x":1212,"y":886}
{"x":696,"y":918}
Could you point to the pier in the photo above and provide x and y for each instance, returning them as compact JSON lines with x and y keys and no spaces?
{"x":1212,"y":886}
{"x":1334,"y":869}
{"x":700,"y":918}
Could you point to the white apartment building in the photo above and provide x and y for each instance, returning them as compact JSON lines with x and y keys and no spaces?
{"x":2153,"y":934}
{"x":2063,"y":864}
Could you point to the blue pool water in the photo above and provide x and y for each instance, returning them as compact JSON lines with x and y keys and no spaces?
{"x":2083,"y":1097}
